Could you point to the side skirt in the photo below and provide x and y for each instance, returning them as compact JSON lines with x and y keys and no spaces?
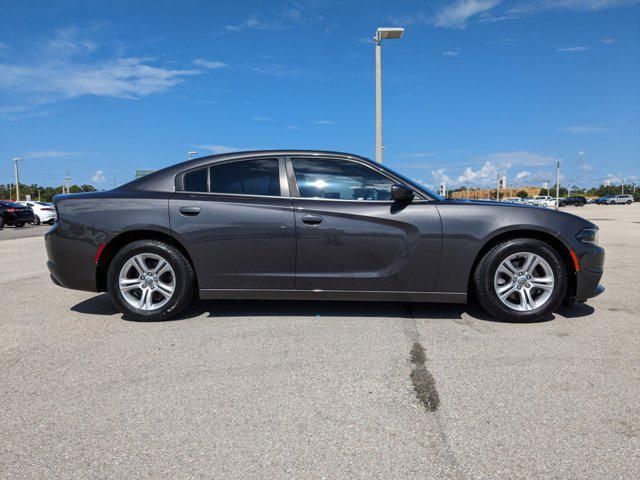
{"x":352,"y":295}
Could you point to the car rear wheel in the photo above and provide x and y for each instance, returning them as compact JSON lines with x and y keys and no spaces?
{"x":521,"y":280}
{"x":1,"y":222}
{"x":628,"y":202}
{"x":36,"y":220}
{"x":149,"y":280}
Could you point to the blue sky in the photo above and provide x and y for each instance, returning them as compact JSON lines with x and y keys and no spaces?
{"x":100,"y":88}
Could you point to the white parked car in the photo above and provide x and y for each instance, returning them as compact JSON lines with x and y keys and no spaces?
{"x":543,"y":201}
{"x":514,"y":200}
{"x":43,"y":212}
{"x":620,"y":200}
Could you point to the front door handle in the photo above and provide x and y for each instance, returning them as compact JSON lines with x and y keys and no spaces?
{"x":189,"y":211}
{"x":311,"y":219}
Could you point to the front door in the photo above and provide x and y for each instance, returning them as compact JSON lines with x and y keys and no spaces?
{"x":236,"y":220}
{"x":352,"y":236}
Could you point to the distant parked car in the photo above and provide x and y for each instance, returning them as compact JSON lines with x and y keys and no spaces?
{"x":620,"y":200}
{"x":14,"y":214}
{"x":603,"y":200}
{"x":543,"y":201}
{"x":43,"y":212}
{"x":514,"y":200}
{"x":575,"y":200}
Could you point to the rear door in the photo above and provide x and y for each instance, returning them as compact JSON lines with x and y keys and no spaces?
{"x":236,"y":220}
{"x":352,"y":236}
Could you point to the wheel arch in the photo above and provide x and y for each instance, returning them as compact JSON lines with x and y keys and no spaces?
{"x":554,"y":242}
{"x":116,"y":243}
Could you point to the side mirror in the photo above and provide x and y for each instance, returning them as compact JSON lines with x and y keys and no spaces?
{"x":401,"y":193}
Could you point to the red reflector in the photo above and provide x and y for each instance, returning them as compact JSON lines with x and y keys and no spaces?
{"x":11,"y":210}
{"x":576,"y":264}
{"x":99,"y":252}
{"x":47,"y":209}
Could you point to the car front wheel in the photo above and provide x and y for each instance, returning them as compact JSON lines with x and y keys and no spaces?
{"x":36,"y":220}
{"x":521,"y":280}
{"x":150,"y":280}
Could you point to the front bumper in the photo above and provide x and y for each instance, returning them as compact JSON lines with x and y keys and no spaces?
{"x":588,"y":277}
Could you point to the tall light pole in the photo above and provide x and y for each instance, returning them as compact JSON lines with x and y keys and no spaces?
{"x":191,"y":153}
{"x":558,"y":182}
{"x":15,"y":166}
{"x":381,"y":34}
{"x":622,"y":192}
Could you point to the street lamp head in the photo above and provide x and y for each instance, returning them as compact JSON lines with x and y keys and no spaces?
{"x":16,"y":159}
{"x":388,"y":33}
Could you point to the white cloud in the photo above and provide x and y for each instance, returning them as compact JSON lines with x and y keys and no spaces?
{"x":303,"y":14}
{"x":251,"y":23}
{"x":485,"y":175}
{"x":456,"y":15}
{"x":276,"y":70}
{"x":50,"y":154}
{"x":292,"y":127}
{"x":576,"y":5}
{"x":324,"y":122}
{"x":62,"y":69}
{"x":440,"y":177}
{"x":218,"y":148}
{"x":612,"y":179}
{"x":582,"y":129}
{"x":521,"y":158}
{"x":452,"y":52}
{"x":608,"y":41}
{"x":209,"y":64}
{"x":522,"y":175}
{"x":419,"y":155}
{"x":98,"y":177}
{"x":420,"y":181}
{"x":258,"y":118}
{"x":572,"y":49}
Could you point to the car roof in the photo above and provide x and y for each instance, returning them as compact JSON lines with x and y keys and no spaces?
{"x":163,"y":180}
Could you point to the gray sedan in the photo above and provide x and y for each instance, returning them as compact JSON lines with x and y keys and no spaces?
{"x":317,"y":226}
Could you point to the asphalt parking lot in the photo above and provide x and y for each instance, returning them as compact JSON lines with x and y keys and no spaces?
{"x":257,"y":389}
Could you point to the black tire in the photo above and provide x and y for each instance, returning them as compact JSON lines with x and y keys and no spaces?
{"x":483,"y":280}
{"x":36,"y":220}
{"x":1,"y":222}
{"x":629,"y":202}
{"x":185,"y":280}
{"x":19,"y":225}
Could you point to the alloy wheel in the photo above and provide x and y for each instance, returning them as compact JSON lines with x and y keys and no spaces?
{"x":524,"y":281}
{"x":147,"y":281}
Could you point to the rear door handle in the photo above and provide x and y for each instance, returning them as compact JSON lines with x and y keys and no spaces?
{"x":189,"y":211}
{"x":311,"y":219}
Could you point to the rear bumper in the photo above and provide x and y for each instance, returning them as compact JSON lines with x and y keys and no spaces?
{"x":70,"y":262}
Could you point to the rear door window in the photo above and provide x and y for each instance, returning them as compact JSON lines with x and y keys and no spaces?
{"x":247,"y":177}
{"x":196,"y":181}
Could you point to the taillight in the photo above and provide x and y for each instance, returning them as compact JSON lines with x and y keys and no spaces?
{"x":12,"y":210}
{"x":48,"y":209}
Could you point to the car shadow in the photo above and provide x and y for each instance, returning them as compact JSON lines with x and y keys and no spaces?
{"x":102,"y":305}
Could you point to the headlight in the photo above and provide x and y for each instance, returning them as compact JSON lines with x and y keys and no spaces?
{"x":588,"y":235}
